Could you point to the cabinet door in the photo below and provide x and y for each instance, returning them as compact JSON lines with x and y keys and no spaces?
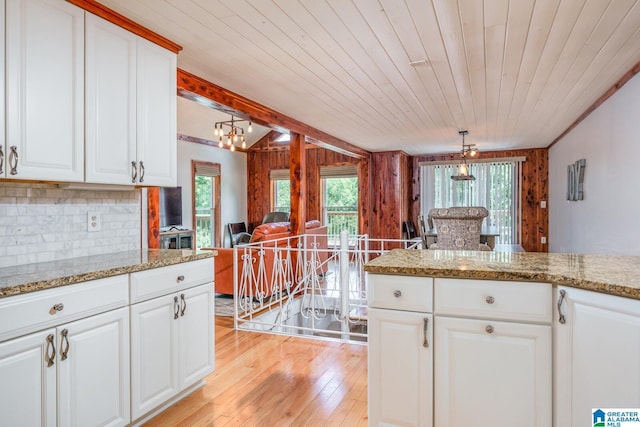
{"x":491,"y":373}
{"x":400,"y":368}
{"x":93,"y":378}
{"x":110,"y":102}
{"x":196,"y":334}
{"x":28,"y":391}
{"x":156,"y":118}
{"x":154,"y":353}
{"x":597,"y":354}
{"x":45,"y":89}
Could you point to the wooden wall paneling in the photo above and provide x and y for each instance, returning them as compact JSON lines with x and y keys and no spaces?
{"x":535,"y":174}
{"x":259,"y":163}
{"x":364,"y":196}
{"x":387,"y":195}
{"x":153,"y":217}
{"x":298,"y":172}
{"x":314,"y":198}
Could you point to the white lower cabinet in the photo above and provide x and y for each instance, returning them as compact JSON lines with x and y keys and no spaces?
{"x":400,"y":368}
{"x":400,"y":326}
{"x":597,"y":355}
{"x":28,"y":393}
{"x":491,"y":373}
{"x":171,"y":346}
{"x":76,"y":374}
{"x":459,"y":352}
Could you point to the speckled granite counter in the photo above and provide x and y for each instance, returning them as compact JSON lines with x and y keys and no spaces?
{"x":611,"y":274}
{"x":35,"y":277}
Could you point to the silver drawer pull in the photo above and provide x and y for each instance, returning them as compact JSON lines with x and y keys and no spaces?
{"x":56,"y":308}
{"x":64,"y":344}
{"x":561,"y":318}
{"x":397,"y":293}
{"x":489,"y":329}
{"x":180,"y":279}
{"x":490,"y":300}
{"x":50,"y":351}
{"x":425,"y":330}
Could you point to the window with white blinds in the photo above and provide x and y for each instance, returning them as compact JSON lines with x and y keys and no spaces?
{"x":497,"y":187}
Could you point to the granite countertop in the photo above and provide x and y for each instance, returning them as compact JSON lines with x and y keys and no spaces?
{"x":611,"y":274}
{"x":39,"y":276}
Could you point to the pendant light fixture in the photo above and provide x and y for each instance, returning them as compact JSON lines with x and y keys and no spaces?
{"x":463,"y":168}
{"x":232,"y":132}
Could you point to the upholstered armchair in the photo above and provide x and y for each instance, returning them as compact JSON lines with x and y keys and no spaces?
{"x":459,"y":228}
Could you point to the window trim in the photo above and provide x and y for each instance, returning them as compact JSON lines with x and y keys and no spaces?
{"x":217,"y":219}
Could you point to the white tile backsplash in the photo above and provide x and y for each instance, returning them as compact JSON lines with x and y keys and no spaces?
{"x":41,"y":222}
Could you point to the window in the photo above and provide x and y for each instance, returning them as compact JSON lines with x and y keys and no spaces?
{"x":497,"y":187}
{"x":206,"y":197}
{"x":280,"y":190}
{"x":340,"y":198}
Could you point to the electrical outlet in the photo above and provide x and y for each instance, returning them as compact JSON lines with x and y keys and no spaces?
{"x":543,"y":240}
{"x":93,"y":221}
{"x":543,"y":204}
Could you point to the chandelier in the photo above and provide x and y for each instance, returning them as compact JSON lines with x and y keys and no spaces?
{"x":230,"y":131}
{"x":468,"y":150}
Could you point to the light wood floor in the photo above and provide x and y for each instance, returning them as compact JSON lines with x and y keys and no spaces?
{"x":272,"y":380}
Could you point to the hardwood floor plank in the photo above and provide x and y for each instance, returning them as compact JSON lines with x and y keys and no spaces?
{"x":263,"y":379}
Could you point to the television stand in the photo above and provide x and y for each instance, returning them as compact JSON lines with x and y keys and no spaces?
{"x":177,"y":239}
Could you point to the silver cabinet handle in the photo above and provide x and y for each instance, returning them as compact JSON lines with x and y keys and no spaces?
{"x":397,"y":293}
{"x":13,"y":160}
{"x":1,"y":160}
{"x":561,"y":318}
{"x":180,"y":278}
{"x":50,"y":351}
{"x":134,"y":172}
{"x":183,"y":304}
{"x":56,"y":308}
{"x":64,"y":341}
{"x":141,"y":171}
{"x":425,"y":330}
{"x":176,"y":307}
{"x":490,"y":299}
{"x":489,"y":329}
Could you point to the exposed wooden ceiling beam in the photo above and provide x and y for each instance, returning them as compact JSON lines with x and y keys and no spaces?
{"x":211,"y":95}
{"x":126,"y":23}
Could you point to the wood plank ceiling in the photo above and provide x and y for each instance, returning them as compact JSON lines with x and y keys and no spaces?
{"x":408,"y":74}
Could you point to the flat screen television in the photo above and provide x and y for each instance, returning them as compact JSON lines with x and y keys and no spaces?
{"x":170,"y":207}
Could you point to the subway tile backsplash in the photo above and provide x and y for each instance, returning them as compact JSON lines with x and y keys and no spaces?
{"x":41,"y":222}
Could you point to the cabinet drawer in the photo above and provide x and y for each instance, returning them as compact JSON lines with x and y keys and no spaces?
{"x":401,"y":292}
{"x":493,"y":299}
{"x":164,"y":280}
{"x":34,"y":311}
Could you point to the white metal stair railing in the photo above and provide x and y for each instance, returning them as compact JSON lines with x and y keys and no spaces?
{"x":295,"y":286}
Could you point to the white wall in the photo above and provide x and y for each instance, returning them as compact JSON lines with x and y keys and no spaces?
{"x":197,"y":121}
{"x":233,"y":182}
{"x":606,"y":221}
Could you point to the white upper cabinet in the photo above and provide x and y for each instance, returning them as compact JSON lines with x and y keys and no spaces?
{"x":44,"y":91}
{"x":110,"y":102}
{"x":131,"y":108}
{"x":156,"y":97}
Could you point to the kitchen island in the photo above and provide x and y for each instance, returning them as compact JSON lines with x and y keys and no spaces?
{"x":104,"y":340}
{"x":462,"y":338}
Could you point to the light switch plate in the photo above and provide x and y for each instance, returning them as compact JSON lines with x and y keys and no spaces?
{"x":543,"y":204}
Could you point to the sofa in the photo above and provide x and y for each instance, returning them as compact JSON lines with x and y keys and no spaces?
{"x":269,"y":234}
